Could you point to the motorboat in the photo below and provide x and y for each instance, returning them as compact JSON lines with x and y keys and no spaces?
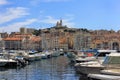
{"x":89,"y":67}
{"x":113,"y":71}
{"x":55,"y":53}
{"x":110,"y":61}
{"x":33,"y":56}
{"x":103,"y":77}
{"x":112,"y":68}
{"x":99,"y":54}
{"x":44,"y":55}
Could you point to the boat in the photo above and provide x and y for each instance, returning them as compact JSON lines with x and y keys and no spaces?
{"x":71,"y":54}
{"x":11,"y":60}
{"x":88,"y":56}
{"x":112,"y":60}
{"x":86,"y":59}
{"x":3,"y":62}
{"x":95,"y":66}
{"x":44,"y":55}
{"x":55,"y":53}
{"x":112,"y":63}
{"x":8,"y":63}
{"x":37,"y":56}
{"x":10,"y":53}
{"x":112,"y":68}
{"x":113,"y":71}
{"x":33,"y":56}
{"x":103,"y":77}
{"x":88,"y":67}
{"x":61,"y":51}
{"x":101,"y":54}
{"x":48,"y":54}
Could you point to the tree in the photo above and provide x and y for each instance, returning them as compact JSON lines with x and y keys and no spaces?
{"x":37,"y":32}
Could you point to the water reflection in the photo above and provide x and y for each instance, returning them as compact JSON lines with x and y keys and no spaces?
{"x":83,"y":77}
{"x":49,"y":69}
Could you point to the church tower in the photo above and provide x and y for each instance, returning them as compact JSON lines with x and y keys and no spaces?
{"x":59,"y":24}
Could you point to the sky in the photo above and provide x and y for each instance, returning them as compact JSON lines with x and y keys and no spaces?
{"x":40,"y":14}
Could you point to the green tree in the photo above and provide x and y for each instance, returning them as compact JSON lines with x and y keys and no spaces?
{"x":37,"y":32}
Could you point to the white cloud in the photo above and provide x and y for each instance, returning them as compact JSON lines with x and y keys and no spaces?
{"x":13,"y":13}
{"x":68,"y":20}
{"x":3,"y":2}
{"x":51,"y":20}
{"x":69,"y":23}
{"x":15,"y":26}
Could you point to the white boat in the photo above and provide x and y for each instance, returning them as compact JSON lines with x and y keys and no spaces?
{"x":103,"y":77}
{"x":8,"y":62}
{"x":89,"y":67}
{"x":95,"y":66}
{"x":112,"y":70}
{"x":33,"y":56}
{"x":71,"y":55}
{"x":115,"y":72}
{"x":3,"y":62}
{"x":44,"y":55}
{"x":37,"y":56}
{"x":55,"y":53}
{"x":112,"y":63}
{"x":100,"y":54}
{"x":112,"y":60}
{"x":61,"y":52}
{"x":48,"y":54}
{"x":4,"y":59}
{"x":86,"y":59}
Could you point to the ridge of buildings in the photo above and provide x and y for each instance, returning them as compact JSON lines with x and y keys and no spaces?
{"x":61,"y":36}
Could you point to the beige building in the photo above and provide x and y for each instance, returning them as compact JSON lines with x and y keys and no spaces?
{"x":82,"y":40}
{"x":51,"y":37}
{"x":22,"y":41}
{"x":66,"y":38}
{"x":104,"y":39}
{"x":24,"y":30}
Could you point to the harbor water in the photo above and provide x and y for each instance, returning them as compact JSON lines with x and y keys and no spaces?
{"x":57,"y":68}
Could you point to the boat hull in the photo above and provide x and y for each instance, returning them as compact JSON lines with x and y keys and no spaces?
{"x":103,"y":77}
{"x":55,"y":54}
{"x":88,"y":69}
{"x":2,"y":64}
{"x":115,"y":72}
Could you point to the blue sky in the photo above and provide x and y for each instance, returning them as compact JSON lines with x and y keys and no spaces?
{"x":90,"y":14}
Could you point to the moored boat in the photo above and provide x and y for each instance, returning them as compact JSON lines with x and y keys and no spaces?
{"x":43,"y":55}
{"x":55,"y":53}
{"x":115,"y":72}
{"x":103,"y":77}
{"x":97,"y":65}
{"x":33,"y":56}
{"x":112,"y":70}
{"x":88,"y":67}
{"x":112,"y":63}
{"x":87,"y":56}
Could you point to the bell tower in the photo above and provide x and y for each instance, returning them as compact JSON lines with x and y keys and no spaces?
{"x":59,"y":23}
